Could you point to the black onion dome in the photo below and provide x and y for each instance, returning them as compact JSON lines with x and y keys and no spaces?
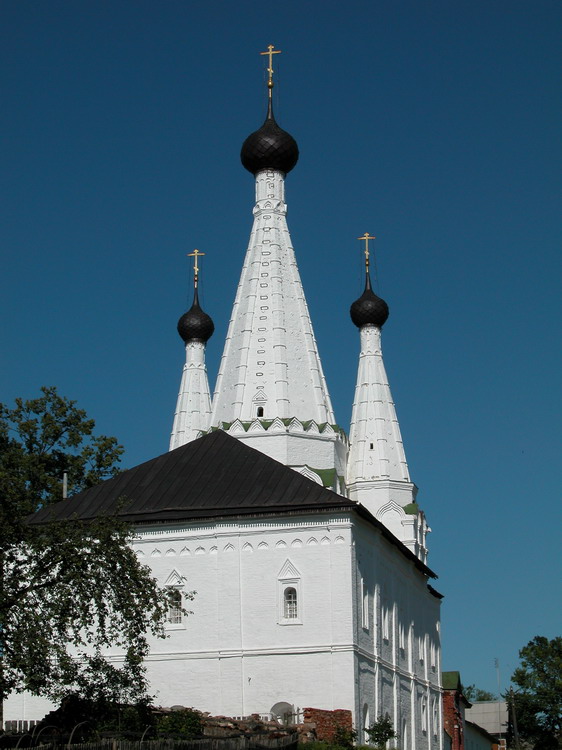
{"x":195,"y":325}
{"x":270,"y":147}
{"x":369,"y":309}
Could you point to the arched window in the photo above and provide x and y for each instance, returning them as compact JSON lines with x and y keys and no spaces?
{"x":424,"y":715}
{"x":434,"y":717}
{"x":291,"y":606}
{"x":174,"y":607}
{"x":260,"y":411}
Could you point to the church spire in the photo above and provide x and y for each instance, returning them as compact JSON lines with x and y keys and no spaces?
{"x":270,"y":368}
{"x":193,"y":407}
{"x":377,"y":473}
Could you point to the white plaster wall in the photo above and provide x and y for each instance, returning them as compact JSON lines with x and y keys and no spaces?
{"x":393,"y":675}
{"x":233,"y":656}
{"x":290,"y":449}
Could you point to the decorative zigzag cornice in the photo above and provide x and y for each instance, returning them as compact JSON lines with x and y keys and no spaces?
{"x":290,"y":425}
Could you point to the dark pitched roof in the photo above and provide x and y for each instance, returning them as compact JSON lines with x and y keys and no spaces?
{"x":215,"y":476}
{"x":207,"y":477}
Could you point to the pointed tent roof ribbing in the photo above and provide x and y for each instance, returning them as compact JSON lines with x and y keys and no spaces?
{"x":270,"y":345}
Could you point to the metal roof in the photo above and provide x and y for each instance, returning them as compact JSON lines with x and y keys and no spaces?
{"x":215,"y":476}
{"x":203,"y":478}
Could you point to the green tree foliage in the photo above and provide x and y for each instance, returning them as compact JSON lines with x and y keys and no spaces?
{"x":68,"y":590}
{"x":381,"y":731}
{"x":344,"y":738}
{"x":473,"y":693}
{"x":538,"y":695}
{"x":181,"y":724}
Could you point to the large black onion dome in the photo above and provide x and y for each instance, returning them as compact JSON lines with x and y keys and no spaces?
{"x":195,"y":325}
{"x":369,"y":309}
{"x":270,"y":147}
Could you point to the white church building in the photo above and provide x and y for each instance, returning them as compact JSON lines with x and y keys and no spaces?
{"x":307,"y":549}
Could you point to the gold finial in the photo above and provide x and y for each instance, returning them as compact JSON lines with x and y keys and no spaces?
{"x":196,"y":254}
{"x":270,"y":52}
{"x":365,"y":238}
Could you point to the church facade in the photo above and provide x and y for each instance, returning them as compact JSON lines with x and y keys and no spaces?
{"x":307,"y":549}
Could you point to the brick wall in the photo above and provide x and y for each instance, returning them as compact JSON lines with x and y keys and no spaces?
{"x":453,"y":718}
{"x":326,"y":722}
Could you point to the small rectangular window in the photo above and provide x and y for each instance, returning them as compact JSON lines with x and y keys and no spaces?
{"x":401,"y":638}
{"x":174,"y":608}
{"x":385,"y":624}
{"x":364,"y":605}
{"x":290,"y":604}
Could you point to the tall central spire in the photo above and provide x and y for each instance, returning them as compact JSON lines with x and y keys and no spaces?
{"x":270,"y":368}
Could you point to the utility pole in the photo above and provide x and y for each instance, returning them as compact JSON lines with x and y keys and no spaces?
{"x":514,"y":718}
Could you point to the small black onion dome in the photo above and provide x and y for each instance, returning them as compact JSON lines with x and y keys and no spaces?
{"x":270,"y":147}
{"x":195,"y":325}
{"x":369,"y":309}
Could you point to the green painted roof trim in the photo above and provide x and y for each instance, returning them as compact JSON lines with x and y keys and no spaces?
{"x":412,"y":509}
{"x":327,"y":476}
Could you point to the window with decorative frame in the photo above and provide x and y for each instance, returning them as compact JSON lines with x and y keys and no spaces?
{"x":289,"y":595}
{"x":174,"y":585}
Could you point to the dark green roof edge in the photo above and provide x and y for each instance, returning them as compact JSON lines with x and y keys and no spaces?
{"x":451,"y":680}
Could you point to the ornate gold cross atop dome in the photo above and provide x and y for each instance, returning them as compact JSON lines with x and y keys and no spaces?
{"x":270,"y":52}
{"x":196,"y":254}
{"x":365,"y":238}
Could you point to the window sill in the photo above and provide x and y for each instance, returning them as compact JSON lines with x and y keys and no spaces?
{"x":294,"y":621}
{"x":175,"y":626}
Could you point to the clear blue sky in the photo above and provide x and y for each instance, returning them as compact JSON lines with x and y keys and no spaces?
{"x":432,"y":124}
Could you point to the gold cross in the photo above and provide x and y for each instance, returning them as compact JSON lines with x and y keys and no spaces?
{"x":270,"y":52}
{"x":196,"y":254}
{"x":365,"y":238}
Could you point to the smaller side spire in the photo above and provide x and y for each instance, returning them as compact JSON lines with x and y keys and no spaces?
{"x":193,"y":409}
{"x":377,"y":473}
